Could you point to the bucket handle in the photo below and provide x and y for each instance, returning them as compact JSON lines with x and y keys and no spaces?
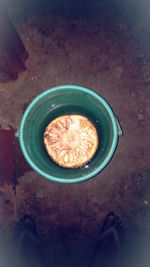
{"x":120,"y":131}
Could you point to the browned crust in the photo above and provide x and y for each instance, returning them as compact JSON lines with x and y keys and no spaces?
{"x":71,"y":140}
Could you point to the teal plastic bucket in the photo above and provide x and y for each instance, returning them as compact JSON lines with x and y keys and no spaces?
{"x":58,"y":101}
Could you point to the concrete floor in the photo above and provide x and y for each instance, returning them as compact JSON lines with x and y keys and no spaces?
{"x":109,"y":54}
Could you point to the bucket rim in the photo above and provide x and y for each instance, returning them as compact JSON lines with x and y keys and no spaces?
{"x":58,"y":178}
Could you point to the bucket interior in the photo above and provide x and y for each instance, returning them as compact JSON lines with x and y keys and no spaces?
{"x":58,"y":103}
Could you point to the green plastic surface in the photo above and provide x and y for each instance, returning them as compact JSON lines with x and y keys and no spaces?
{"x":65,"y":100}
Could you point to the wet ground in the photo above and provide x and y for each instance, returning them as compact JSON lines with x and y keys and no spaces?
{"x":110,"y":54}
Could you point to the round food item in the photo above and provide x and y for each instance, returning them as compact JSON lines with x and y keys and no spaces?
{"x":71,"y":140}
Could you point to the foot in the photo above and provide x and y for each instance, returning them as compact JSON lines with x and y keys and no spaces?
{"x":30,"y":252}
{"x":25,"y":224}
{"x":113,"y":224}
{"x":110,"y":239}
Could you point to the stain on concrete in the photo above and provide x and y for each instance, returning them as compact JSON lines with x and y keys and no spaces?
{"x":12,"y":162}
{"x":7,"y":143}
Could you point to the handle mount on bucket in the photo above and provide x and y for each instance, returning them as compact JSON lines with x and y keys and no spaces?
{"x":120,"y":131}
{"x":17,"y":134}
